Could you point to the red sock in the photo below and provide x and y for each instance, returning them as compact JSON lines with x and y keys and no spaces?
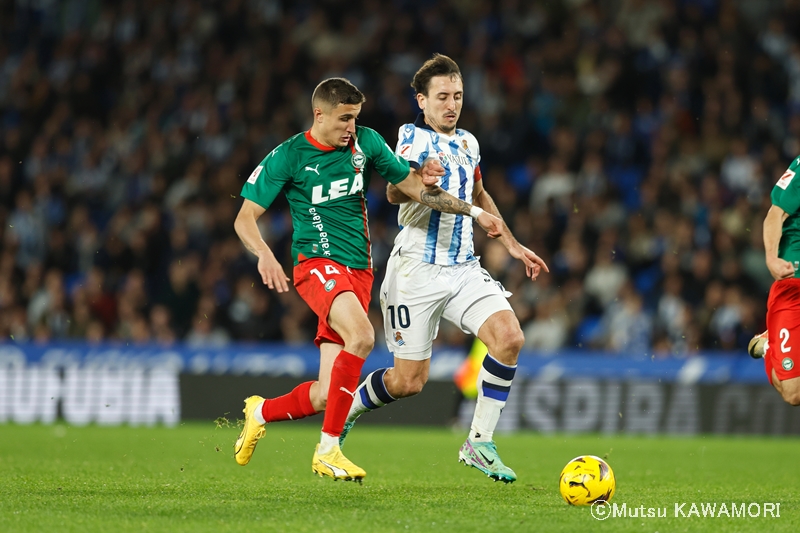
{"x":345,"y":375}
{"x":296,"y":404}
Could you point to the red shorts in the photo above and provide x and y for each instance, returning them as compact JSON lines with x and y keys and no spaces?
{"x":320,"y":280}
{"x":783,"y":322}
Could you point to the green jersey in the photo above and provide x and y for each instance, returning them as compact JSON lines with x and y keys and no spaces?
{"x":326,"y":189}
{"x":786,"y":195}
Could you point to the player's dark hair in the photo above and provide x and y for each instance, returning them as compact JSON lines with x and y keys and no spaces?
{"x":336,"y":91}
{"x":438,"y":65}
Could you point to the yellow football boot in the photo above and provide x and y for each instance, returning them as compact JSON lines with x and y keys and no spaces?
{"x":334,"y":464}
{"x":251,"y":432}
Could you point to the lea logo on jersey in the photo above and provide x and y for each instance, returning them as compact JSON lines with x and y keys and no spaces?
{"x":337,"y":189}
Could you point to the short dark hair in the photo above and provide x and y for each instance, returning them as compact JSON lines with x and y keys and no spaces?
{"x":438,"y":65}
{"x":336,"y":91}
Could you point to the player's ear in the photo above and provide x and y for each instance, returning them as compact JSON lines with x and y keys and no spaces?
{"x":421,"y":101}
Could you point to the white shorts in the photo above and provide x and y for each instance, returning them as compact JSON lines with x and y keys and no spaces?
{"x":415,"y":295}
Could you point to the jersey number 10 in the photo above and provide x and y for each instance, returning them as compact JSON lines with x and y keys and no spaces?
{"x":403,"y":316}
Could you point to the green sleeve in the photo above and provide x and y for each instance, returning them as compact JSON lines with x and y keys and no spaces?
{"x":392,"y":167}
{"x":269,"y":177}
{"x":786,"y":193}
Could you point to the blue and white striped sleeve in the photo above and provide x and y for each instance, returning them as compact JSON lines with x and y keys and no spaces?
{"x":411,"y":146}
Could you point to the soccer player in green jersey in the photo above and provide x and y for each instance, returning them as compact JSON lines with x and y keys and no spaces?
{"x":778,"y":345}
{"x":324,"y":173}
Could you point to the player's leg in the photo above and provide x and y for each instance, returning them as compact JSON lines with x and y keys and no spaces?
{"x":304,"y":400}
{"x":407,"y":377}
{"x":328,"y":351}
{"x":349,"y":320}
{"x":789,"y":389}
{"x":502,"y":335}
{"x":412,"y":302}
{"x":481,"y":308}
{"x":383,"y":386}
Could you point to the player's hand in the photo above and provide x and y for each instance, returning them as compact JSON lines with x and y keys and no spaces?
{"x":780,"y":268}
{"x":494,"y":227}
{"x":272,"y":273}
{"x":533,"y":263}
{"x":430,"y":172}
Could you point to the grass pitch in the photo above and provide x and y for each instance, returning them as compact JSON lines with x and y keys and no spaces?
{"x":59,"y":478}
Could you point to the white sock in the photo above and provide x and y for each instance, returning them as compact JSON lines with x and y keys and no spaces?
{"x":494,"y":384}
{"x":326,"y":443}
{"x":258,"y":414}
{"x":487,"y":413}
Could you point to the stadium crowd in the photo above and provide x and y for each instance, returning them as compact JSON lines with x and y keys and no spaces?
{"x":631,"y":143}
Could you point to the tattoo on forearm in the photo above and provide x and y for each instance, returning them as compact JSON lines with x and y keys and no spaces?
{"x":441,"y":201}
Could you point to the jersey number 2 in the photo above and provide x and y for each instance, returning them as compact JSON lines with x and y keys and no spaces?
{"x":784,"y":340}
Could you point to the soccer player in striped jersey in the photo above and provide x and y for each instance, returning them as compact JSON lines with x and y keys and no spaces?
{"x":433,"y":273}
{"x":324,"y":173}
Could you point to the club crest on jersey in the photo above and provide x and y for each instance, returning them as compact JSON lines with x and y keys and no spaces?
{"x":329,"y":285}
{"x":464,"y":144}
{"x":787,"y":363}
{"x":398,"y":338}
{"x":359,"y":160}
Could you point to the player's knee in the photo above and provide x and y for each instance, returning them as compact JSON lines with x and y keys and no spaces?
{"x":361,"y":339}
{"x":510,"y":341}
{"x":364,"y":341}
{"x":515,"y":340}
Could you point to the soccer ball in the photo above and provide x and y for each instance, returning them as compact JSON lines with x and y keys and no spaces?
{"x":586,"y":480}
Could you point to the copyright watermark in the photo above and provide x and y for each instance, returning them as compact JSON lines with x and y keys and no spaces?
{"x":602,"y":510}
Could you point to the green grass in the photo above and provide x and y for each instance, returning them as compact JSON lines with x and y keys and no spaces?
{"x":59,"y":478}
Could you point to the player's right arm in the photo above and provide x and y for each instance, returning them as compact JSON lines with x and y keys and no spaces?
{"x":246,"y":227}
{"x":773,"y":229}
{"x":260,"y":190}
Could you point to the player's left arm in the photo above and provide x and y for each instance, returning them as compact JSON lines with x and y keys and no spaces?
{"x":533,"y":263}
{"x":482,"y":198}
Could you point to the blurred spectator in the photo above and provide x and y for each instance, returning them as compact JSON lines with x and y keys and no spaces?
{"x":549,"y":329}
{"x":628,"y":326}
